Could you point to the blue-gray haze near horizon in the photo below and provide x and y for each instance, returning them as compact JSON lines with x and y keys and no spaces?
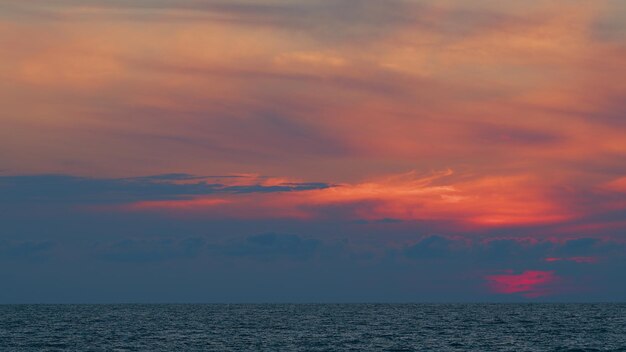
{"x":314,"y":327}
{"x":63,"y":241}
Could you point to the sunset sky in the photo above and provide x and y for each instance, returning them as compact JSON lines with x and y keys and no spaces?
{"x":312,"y":151}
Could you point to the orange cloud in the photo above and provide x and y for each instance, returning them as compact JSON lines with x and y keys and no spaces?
{"x":618,"y":185}
{"x":526,"y":91}
{"x":494,"y":201}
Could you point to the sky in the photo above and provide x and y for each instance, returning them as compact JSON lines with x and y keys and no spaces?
{"x":312,"y":151}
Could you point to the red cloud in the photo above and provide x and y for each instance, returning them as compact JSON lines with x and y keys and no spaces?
{"x":530,"y":283}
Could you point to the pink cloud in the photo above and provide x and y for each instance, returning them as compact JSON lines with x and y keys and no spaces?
{"x":530,"y":283}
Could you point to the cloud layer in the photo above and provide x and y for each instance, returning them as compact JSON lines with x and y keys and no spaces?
{"x":428,"y":147}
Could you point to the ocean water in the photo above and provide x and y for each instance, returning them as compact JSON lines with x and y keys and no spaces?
{"x":314,"y":327}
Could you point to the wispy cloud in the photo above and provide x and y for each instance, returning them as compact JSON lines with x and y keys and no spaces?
{"x":86,"y":190}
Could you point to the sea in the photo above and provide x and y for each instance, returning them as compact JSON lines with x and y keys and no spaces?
{"x":314,"y":327}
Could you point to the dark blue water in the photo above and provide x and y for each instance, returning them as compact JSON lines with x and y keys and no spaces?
{"x":287,"y":327}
